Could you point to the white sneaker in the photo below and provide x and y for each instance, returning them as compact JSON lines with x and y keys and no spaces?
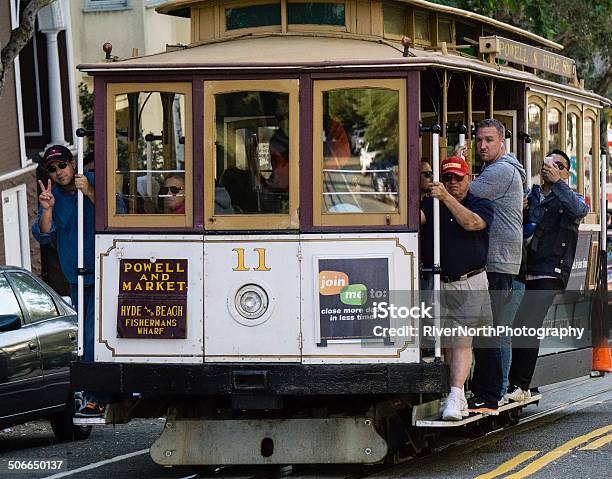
{"x":503,"y":401}
{"x":453,"y":409}
{"x":516,"y":394}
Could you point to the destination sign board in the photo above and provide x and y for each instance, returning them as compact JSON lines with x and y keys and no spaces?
{"x":152,"y":300}
{"x":516,"y":52}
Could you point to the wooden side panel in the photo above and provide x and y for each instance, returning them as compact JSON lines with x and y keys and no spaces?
{"x":206,"y":23}
{"x":376,"y":13}
{"x":364,"y":26}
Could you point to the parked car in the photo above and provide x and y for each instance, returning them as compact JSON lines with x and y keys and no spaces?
{"x":38,"y":341}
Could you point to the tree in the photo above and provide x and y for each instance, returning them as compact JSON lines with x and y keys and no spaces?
{"x":583,"y":27}
{"x":20,"y":36}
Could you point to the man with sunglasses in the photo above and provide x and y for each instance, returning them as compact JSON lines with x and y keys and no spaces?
{"x":464,"y":241}
{"x":556,"y":210}
{"x":57,"y":221}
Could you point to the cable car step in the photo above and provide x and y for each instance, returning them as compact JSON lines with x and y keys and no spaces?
{"x":429,"y":414}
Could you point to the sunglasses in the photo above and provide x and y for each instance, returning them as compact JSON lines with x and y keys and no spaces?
{"x":448,"y":177}
{"x":53,"y":168}
{"x":175,"y":190}
{"x":427,"y":174}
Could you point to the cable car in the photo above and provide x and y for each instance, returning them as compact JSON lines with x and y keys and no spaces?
{"x":257,"y":192}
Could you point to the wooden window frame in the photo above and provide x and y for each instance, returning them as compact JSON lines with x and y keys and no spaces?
{"x":309,"y":27}
{"x":406,"y":13}
{"x":453,"y":34}
{"x":589,"y":114}
{"x":320,"y":218}
{"x":574,"y":109}
{"x":250,"y":221}
{"x":162,"y":220}
{"x":222,"y":28}
{"x":420,"y":42}
{"x":557,"y":104}
{"x":540,"y":101}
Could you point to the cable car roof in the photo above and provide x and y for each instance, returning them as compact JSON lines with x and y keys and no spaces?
{"x":269,"y":52}
{"x":182,"y":8}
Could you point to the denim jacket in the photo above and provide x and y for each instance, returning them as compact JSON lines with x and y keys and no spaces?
{"x":557,"y":215}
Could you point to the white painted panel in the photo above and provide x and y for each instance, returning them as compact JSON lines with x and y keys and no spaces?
{"x":109,"y":250}
{"x":275,"y":337}
{"x":401,"y":249}
{"x":10,"y":223}
{"x":15,"y":226}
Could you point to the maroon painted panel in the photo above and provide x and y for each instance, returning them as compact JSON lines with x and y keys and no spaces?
{"x":413,"y":99}
{"x":100,"y":152}
{"x":152,"y":300}
{"x":198,"y":152}
{"x":305,"y":152}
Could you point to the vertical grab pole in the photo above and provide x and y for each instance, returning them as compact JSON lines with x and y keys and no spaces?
{"x":80,"y":261}
{"x":435,"y":130}
{"x":528,"y":161}
{"x":149,"y":140}
{"x":603,"y":210}
{"x":508,"y":137}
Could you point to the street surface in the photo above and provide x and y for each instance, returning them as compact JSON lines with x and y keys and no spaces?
{"x":572,"y":440}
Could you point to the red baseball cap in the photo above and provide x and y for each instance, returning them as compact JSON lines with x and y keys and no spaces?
{"x":456,"y":165}
{"x":56,"y":153}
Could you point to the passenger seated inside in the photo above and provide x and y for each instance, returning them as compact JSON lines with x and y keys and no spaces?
{"x":237,"y":182}
{"x":173,"y":194}
{"x":278,"y":182}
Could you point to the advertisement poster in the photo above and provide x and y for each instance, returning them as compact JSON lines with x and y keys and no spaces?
{"x":347,"y":289}
{"x":152,"y":300}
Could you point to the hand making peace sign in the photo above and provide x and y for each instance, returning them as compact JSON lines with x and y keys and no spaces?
{"x":46,"y":198}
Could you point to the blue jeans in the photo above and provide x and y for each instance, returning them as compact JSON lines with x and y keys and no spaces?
{"x":88,"y":335}
{"x":518,"y":289}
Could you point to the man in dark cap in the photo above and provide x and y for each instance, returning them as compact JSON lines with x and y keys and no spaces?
{"x":57,"y":220}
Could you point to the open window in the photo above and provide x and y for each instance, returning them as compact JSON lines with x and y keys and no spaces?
{"x":251,"y":154}
{"x":359,"y":152}
{"x":149,"y":165}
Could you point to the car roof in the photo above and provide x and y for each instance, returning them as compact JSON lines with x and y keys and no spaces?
{"x":4,"y":269}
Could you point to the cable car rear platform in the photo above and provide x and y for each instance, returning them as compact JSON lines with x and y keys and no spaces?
{"x":429,"y":414}
{"x":262,"y":378}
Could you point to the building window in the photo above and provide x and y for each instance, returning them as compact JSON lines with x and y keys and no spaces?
{"x":315,"y":13}
{"x":150,"y":155}
{"x":422,"y":30}
{"x":253,"y":16}
{"x":106,"y":5}
{"x":359,"y":153}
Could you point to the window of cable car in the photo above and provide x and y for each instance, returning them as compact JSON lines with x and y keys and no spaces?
{"x":572,"y":148}
{"x":587,"y":148}
{"x":554,"y":129}
{"x":252,"y":16}
{"x":315,"y":13}
{"x":359,"y":150}
{"x":394,"y":21}
{"x":251,"y":159}
{"x":150,"y":155}
{"x":422,"y":28}
{"x":534,"y":114}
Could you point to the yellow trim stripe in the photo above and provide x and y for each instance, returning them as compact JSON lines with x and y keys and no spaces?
{"x":509,"y":465}
{"x":602,"y":441}
{"x":558,"y":452}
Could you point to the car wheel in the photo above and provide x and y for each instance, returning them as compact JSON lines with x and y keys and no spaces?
{"x":62,"y":426}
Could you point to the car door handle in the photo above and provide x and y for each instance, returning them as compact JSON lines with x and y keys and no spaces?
{"x":72,"y":336}
{"x":33,"y":346}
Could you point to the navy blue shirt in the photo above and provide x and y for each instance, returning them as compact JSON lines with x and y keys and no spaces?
{"x":461,"y":251}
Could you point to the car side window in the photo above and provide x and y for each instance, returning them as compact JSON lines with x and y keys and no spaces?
{"x":38,"y":302}
{"x":8,"y":301}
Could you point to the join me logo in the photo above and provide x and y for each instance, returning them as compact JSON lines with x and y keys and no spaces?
{"x":337,"y":282}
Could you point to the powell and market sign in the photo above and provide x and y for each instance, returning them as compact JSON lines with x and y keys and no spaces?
{"x":533,"y":57}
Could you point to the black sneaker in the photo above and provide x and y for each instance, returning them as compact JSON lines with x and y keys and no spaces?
{"x":478,"y":405}
{"x":91,"y":409}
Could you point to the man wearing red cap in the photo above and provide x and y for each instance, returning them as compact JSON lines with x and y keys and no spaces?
{"x":464,"y":242}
